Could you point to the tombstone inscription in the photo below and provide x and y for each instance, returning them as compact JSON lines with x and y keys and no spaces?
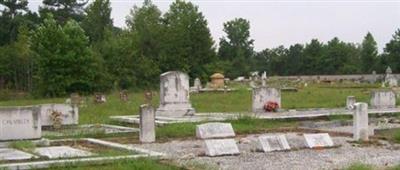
{"x":318,"y":140}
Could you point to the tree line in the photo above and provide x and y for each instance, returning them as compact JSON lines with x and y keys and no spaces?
{"x":72,"y":46}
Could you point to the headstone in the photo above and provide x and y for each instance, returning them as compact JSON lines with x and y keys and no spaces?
{"x":54,"y":152}
{"x":374,"y":77}
{"x":123,"y":95}
{"x":20,"y":123}
{"x":262,"y":95}
{"x":318,"y":140}
{"x":214,"y":130}
{"x":360,"y":122}
{"x":264,"y":79}
{"x":383,"y":99}
{"x":147,"y":133}
{"x":272,"y":143}
{"x":76,"y":99}
{"x":148,"y":97}
{"x":174,"y":95}
{"x":390,"y":79}
{"x":9,"y":154}
{"x":197,"y":84}
{"x":221,"y":147}
{"x":99,"y":98}
{"x":69,"y":114}
{"x":350,"y":101}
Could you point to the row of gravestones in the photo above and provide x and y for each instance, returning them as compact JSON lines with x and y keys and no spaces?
{"x":26,"y":122}
{"x":218,"y":139}
{"x":380,"y":99}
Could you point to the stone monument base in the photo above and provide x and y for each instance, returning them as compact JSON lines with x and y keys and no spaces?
{"x":175,"y":110}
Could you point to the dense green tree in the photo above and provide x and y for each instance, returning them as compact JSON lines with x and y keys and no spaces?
{"x":236,"y":47}
{"x":98,"y":23}
{"x":369,"y":54}
{"x":313,"y":52}
{"x":187,"y":44}
{"x":295,"y":60}
{"x":63,"y":10}
{"x":63,"y":59}
{"x":391,"y":54}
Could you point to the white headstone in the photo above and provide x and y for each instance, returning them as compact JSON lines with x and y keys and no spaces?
{"x":318,"y":140}
{"x":9,"y":154}
{"x":220,"y":147}
{"x":147,"y":124}
{"x":383,"y":99}
{"x":360,"y":122}
{"x":264,"y":79}
{"x":214,"y":130}
{"x":197,"y":84}
{"x":70,"y":114}
{"x":262,"y":95}
{"x":174,"y":95}
{"x":20,"y":123}
{"x":272,"y":143}
{"x":54,"y":152}
{"x":350,"y":101}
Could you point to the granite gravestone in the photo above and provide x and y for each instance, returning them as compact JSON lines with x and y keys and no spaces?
{"x":174,"y":95}
{"x":318,"y":140}
{"x":360,"y":122}
{"x":262,"y":95}
{"x":272,"y":143}
{"x":214,"y":130}
{"x":20,"y":123}
{"x":221,"y":147}
{"x":69,"y":114}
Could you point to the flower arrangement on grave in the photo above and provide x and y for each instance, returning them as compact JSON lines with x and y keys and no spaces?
{"x":271,"y":106}
{"x":56,"y":118}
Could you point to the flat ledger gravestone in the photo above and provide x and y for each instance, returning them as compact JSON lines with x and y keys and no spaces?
{"x":54,"y":152}
{"x":214,"y":130}
{"x":9,"y":154}
{"x":318,"y":140}
{"x":221,"y":147}
{"x":272,"y":143}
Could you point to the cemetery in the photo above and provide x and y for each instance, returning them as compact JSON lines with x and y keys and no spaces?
{"x":253,"y":127}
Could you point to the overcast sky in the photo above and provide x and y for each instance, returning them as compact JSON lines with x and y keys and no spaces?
{"x":286,"y":22}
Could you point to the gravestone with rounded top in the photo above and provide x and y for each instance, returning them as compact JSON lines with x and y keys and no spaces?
{"x":20,"y":123}
{"x":262,"y":95}
{"x":174,"y":95}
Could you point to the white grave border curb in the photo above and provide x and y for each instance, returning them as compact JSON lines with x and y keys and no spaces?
{"x":86,"y":161}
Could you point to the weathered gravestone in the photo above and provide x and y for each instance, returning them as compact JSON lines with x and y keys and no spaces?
{"x":360,"y":122}
{"x":9,"y":154}
{"x":69,"y":114}
{"x":147,"y":124}
{"x":272,"y":143}
{"x":350,"y":101}
{"x":20,"y":123}
{"x":123,"y":95}
{"x":383,"y":99}
{"x":54,"y":152}
{"x":262,"y":95}
{"x":197,"y":84}
{"x":214,"y":130}
{"x":174,"y":95}
{"x":221,"y":147}
{"x":318,"y":140}
{"x":390,"y":79}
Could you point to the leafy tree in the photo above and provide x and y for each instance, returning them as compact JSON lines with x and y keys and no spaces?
{"x":63,"y":10}
{"x":63,"y":59}
{"x":98,"y":22}
{"x":236,"y":47}
{"x":391,"y":54}
{"x":313,"y":53}
{"x":294,"y":62}
{"x":187,"y":44}
{"x":369,"y":53}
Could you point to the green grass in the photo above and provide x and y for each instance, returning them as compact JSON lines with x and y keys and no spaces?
{"x":359,"y":166}
{"x":137,"y":164}
{"x":22,"y":145}
{"x":313,"y":96}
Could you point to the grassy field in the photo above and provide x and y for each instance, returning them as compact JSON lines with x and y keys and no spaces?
{"x":313,"y":96}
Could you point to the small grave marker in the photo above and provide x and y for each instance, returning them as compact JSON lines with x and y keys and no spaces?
{"x":147,"y":124}
{"x":214,"y":130}
{"x":318,"y":140}
{"x":272,"y":143}
{"x":221,"y":147}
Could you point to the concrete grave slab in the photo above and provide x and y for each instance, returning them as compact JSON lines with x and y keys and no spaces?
{"x":20,"y":123}
{"x":214,"y":130}
{"x":318,"y":140}
{"x":54,"y":152}
{"x":269,"y":143}
{"x":9,"y":154}
{"x":69,"y":114}
{"x":221,"y":147}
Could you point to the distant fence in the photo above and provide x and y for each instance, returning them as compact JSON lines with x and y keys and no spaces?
{"x":351,"y":77}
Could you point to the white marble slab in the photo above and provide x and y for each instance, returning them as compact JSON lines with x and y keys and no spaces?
{"x":318,"y":140}
{"x":214,"y":130}
{"x":10,"y":154}
{"x":221,"y":147}
{"x":269,"y":143}
{"x":54,"y":152}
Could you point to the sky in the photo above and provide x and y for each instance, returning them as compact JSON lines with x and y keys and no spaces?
{"x":286,"y":22}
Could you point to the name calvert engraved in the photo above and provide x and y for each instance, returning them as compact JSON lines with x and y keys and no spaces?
{"x":15,"y":122}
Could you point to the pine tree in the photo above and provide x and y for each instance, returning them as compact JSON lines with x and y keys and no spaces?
{"x":98,"y":23}
{"x":369,"y":53}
